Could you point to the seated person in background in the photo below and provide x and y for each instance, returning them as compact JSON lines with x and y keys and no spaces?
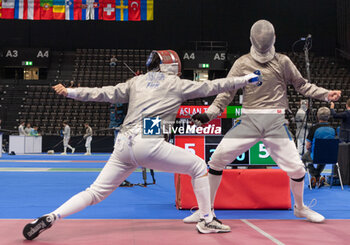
{"x":71,"y":84}
{"x":28,"y":129}
{"x":113,"y":61}
{"x":344,"y":132}
{"x":322,"y":130}
{"x":34,"y":131}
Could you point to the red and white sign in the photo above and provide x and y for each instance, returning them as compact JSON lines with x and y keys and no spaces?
{"x":193,"y":144}
{"x":186,"y":111}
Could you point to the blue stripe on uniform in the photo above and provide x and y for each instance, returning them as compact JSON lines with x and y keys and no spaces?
{"x":289,"y":136}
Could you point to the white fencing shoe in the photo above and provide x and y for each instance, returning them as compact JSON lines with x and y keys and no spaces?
{"x":214,"y":226}
{"x":195,"y":217}
{"x":310,"y":215}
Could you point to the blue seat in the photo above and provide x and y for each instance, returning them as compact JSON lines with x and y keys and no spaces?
{"x":326,"y":152}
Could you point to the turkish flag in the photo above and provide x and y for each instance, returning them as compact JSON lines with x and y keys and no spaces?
{"x":135,"y":10}
{"x":108,"y":8}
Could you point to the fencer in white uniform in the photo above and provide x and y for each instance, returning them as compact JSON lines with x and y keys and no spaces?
{"x":157,"y":94}
{"x":88,"y":138}
{"x":66,"y":138}
{"x":263,"y":116}
{"x":21,"y":130}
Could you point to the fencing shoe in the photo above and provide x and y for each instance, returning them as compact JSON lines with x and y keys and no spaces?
{"x":195,"y":217}
{"x":310,"y":215}
{"x":214,"y":226}
{"x":33,"y":229}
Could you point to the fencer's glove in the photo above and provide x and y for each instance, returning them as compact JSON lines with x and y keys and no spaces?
{"x":200,"y":118}
{"x":254,"y":78}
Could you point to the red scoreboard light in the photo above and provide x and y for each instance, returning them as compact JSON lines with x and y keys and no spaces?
{"x":192,"y":143}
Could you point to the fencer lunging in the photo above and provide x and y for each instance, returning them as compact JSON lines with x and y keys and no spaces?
{"x":263,"y":115}
{"x":157,"y":94}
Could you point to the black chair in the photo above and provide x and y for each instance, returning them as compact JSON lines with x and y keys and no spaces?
{"x":326,"y":152}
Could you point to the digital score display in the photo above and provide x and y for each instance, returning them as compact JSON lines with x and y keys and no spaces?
{"x":204,"y":145}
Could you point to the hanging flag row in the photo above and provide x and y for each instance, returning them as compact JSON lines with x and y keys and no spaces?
{"x":112,"y":10}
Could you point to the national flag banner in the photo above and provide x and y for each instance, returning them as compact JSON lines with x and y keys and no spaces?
{"x":108,"y":7}
{"x":85,"y":10}
{"x":59,"y":9}
{"x":111,"y":10}
{"x":140,"y":10}
{"x":96,"y":12}
{"x":73,"y":9}
{"x":8,"y":9}
{"x":78,"y":5}
{"x":46,"y":9}
{"x":146,"y":9}
{"x":27,"y":9}
{"x":122,"y":10}
{"x":135,"y":10}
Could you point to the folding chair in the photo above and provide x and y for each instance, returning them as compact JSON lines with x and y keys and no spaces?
{"x":326,"y":152}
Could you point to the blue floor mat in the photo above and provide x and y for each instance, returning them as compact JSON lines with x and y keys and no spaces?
{"x":31,"y":194}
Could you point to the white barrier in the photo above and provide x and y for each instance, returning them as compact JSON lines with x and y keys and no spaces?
{"x":25,"y":144}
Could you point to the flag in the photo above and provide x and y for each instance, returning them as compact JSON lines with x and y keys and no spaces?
{"x":146,"y":9}
{"x":135,"y":10}
{"x":73,"y":9}
{"x":108,"y":7}
{"x":59,"y":9}
{"x":8,"y":9}
{"x":122,"y":13}
{"x":27,"y":10}
{"x":46,"y":9}
{"x":96,"y":12}
{"x":0,"y":8}
{"x":85,"y":10}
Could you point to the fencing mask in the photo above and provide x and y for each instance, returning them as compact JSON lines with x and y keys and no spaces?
{"x":262,"y":37}
{"x":166,"y":61}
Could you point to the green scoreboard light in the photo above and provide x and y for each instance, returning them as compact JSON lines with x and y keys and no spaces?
{"x":27,"y":63}
{"x":204,"y":66}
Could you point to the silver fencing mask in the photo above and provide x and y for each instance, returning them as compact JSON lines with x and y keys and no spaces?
{"x":262,"y":37}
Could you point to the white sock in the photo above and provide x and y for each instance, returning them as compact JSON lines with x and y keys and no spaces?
{"x":74,"y":205}
{"x":201,"y":190}
{"x":298,"y":192}
{"x":70,"y":147}
{"x":87,"y":150}
{"x":214,"y":182}
{"x":65,"y":149}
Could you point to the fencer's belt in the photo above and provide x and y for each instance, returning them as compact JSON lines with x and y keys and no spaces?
{"x":263,"y":111}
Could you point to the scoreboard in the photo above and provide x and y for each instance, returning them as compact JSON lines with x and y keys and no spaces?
{"x":24,"y":57}
{"x":204,"y":145}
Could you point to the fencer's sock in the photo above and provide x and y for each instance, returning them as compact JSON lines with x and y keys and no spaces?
{"x":298,"y":192}
{"x":64,"y":151}
{"x":214,"y":183}
{"x":74,"y":204}
{"x":201,"y":190}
